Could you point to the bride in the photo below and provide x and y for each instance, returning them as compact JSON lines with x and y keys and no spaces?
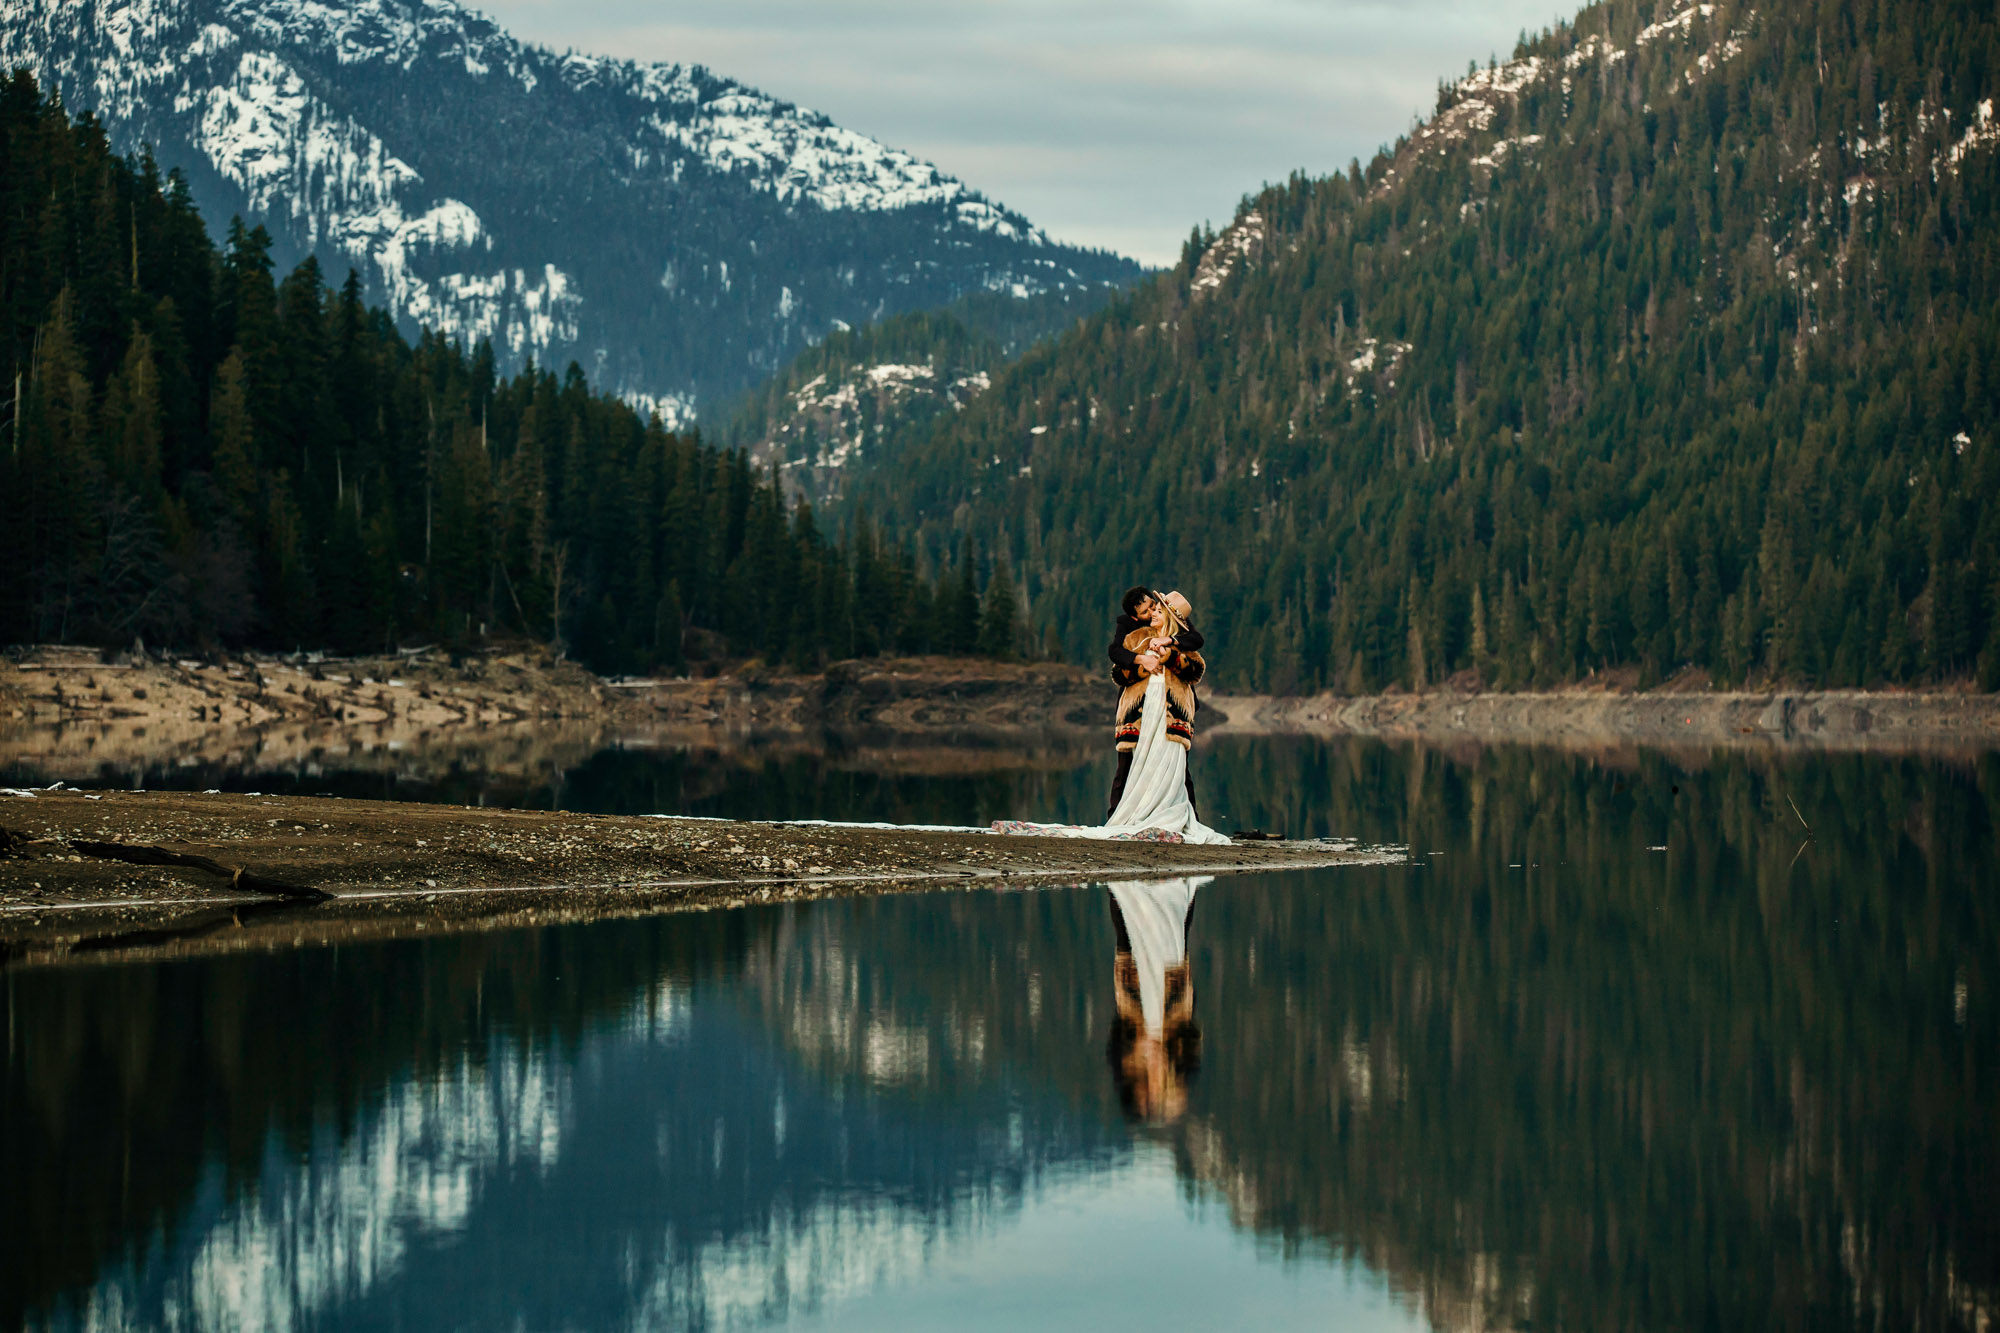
{"x":1160,"y":690}
{"x":1155,"y":722}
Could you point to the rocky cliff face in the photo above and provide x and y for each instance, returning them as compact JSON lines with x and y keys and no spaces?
{"x":677,"y":233}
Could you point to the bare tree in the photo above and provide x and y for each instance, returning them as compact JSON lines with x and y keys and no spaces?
{"x":558,"y":568}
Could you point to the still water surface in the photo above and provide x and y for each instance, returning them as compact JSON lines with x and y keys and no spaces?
{"x":1544,"y":1074}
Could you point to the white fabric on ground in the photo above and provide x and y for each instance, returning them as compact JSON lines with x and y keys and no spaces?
{"x":908,"y":828}
{"x":1155,"y":796}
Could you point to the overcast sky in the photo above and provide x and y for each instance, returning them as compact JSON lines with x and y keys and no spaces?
{"x":1115,"y":123}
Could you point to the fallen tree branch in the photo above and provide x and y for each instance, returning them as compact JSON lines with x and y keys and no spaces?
{"x":15,"y":843}
{"x":238,"y":877}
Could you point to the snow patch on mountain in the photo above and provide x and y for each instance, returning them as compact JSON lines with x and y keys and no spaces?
{"x":833,"y":419}
{"x":266,"y":133}
{"x":400,"y":33}
{"x":1380,"y":357}
{"x":675,"y":411}
{"x":798,"y":154}
{"x":1983,"y":132}
{"x":784,"y":149}
{"x":263,"y":131}
{"x":1478,"y":99}
{"x":1240,"y":240}
{"x":881,"y":375}
{"x":1497,"y":154}
{"x":1682,"y":22}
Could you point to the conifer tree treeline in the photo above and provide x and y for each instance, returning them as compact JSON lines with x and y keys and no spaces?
{"x":1682,"y":351}
{"x":200,"y":453}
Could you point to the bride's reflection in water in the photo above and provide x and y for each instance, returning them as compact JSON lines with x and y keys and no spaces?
{"x":1154,"y":1047}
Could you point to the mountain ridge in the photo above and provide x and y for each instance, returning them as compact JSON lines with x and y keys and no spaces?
{"x":489,"y":188}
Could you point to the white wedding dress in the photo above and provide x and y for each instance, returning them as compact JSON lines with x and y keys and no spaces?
{"x":1155,"y":799}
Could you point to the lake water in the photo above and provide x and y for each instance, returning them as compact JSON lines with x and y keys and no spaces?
{"x":1625,"y":1045}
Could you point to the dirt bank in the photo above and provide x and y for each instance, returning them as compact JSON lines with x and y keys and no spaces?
{"x":78,"y":868}
{"x":68,"y":713}
{"x":428,"y":688}
{"x":1827,"y":719}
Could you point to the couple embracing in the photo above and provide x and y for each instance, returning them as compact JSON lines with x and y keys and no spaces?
{"x":1156,"y":663}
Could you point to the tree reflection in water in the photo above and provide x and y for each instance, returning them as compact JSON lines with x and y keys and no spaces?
{"x":1548,"y":1077}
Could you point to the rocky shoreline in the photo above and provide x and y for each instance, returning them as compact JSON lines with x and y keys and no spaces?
{"x":66,"y":715}
{"x":69,"y":712}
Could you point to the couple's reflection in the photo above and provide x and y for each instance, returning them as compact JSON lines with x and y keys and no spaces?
{"x":1154,"y":1047}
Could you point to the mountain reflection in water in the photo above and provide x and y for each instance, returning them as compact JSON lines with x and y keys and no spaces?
{"x":1547,"y":1077}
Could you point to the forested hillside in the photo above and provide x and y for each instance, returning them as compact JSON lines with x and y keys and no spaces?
{"x":861,"y":396}
{"x":1670,"y":343}
{"x":199,"y":454}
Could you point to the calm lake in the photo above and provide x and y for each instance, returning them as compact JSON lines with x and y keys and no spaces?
{"x":1631,"y":1042}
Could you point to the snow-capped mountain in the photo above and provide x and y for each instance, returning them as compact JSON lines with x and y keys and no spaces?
{"x":679,"y":234}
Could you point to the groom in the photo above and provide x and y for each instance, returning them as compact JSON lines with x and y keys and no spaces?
{"x":1135,"y":656}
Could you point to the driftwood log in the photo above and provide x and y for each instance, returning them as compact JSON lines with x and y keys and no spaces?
{"x":14,"y":843}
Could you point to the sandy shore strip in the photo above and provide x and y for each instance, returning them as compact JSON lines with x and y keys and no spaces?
{"x":1823,"y":720}
{"x":68,"y":712}
{"x":83,"y":872}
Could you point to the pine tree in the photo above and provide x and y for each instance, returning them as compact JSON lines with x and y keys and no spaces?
{"x":670,"y":628}
{"x":234,"y":440}
{"x":61,"y":501}
{"x":960,"y":608}
{"x":132,"y":421}
{"x":1001,"y":631}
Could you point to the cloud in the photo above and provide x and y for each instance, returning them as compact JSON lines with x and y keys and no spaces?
{"x":1109,"y":122}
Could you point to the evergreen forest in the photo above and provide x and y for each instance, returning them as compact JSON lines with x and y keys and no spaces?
{"x":203,"y":454}
{"x":860,"y":398}
{"x":1669,"y":347}
{"x":981,"y":331}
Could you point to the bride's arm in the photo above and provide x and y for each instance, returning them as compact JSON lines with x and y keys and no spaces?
{"x":1143,"y":665}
